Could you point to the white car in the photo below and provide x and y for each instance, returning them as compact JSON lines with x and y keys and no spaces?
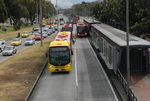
{"x":52,"y":28}
{"x":36,"y":30}
{"x":49,"y":32}
{"x":2,"y":46}
{"x":9,"y":50}
{"x":29,"y":41}
{"x":44,"y":32}
{"x":62,"y":22}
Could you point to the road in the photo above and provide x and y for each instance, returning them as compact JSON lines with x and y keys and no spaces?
{"x":22,"y":46}
{"x":19,"y":48}
{"x":86,"y":82}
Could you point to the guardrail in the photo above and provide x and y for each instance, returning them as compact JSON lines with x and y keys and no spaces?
{"x":131,"y":96}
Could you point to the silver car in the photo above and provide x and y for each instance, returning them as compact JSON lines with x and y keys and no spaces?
{"x":62,"y":22}
{"x":53,"y":28}
{"x":36,"y":30}
{"x":2,"y":46}
{"x":9,"y":50}
{"x":49,"y":32}
{"x":29,"y":41}
{"x":44,"y":32}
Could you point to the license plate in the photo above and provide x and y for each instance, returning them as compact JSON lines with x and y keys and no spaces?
{"x":5,"y":53}
{"x":59,"y":69}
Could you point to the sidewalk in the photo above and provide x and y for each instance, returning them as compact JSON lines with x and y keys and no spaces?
{"x":140,"y":85}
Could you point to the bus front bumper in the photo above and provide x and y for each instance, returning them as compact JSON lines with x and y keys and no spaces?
{"x":59,"y":69}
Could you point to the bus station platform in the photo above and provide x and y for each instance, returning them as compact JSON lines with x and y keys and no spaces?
{"x":140,"y":85}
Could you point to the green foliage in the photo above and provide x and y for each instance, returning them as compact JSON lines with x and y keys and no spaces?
{"x":4,"y":28}
{"x":3,"y":12}
{"x":48,"y":9}
{"x":84,"y":9}
{"x":9,"y":29}
{"x":17,"y":25}
{"x":114,"y":12}
{"x":26,"y":9}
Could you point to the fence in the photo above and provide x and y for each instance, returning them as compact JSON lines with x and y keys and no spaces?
{"x":131,"y":95}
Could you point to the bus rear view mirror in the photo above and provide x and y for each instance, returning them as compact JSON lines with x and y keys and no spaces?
{"x":46,"y":54}
{"x":71,"y":52}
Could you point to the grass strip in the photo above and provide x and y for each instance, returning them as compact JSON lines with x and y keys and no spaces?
{"x":19,"y":72}
{"x":13,"y":34}
{"x":10,"y":29}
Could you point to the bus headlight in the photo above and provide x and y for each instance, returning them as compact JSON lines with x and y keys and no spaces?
{"x":68,"y":66}
{"x":51,"y":66}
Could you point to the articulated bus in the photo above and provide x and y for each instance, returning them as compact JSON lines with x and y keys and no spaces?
{"x":82,"y":29}
{"x":75,"y":20}
{"x":67,"y":27}
{"x":60,"y":53}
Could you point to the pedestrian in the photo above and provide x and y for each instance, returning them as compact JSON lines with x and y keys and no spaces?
{"x":18,"y":35}
{"x":73,"y":39}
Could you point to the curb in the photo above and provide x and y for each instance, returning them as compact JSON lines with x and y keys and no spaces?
{"x":35,"y":83}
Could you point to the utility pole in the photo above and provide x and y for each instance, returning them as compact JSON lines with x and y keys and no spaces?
{"x":37,"y":14}
{"x":57,"y":15}
{"x":128,"y":54}
{"x":40,"y":4}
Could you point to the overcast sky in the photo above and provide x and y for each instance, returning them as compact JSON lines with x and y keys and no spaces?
{"x":68,"y":3}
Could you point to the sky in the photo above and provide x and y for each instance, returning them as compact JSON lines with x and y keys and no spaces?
{"x":68,"y":3}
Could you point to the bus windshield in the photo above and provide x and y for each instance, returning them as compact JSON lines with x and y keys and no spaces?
{"x":59,"y":56}
{"x":81,"y":30}
{"x":66,"y":29}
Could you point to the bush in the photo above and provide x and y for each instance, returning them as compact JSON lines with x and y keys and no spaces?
{"x":4,"y":28}
{"x":17,"y":25}
{"x":25,"y":24}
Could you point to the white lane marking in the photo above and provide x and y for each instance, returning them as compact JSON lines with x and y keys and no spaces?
{"x":103,"y":70}
{"x":76,"y":73}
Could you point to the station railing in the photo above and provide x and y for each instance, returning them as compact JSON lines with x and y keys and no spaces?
{"x":131,"y":95}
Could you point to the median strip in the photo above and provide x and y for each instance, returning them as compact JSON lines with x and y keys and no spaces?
{"x":19,"y":72}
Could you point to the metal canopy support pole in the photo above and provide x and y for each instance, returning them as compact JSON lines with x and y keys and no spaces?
{"x":40,"y":4}
{"x":128,"y":54}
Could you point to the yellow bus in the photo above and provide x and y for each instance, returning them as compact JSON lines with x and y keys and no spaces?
{"x":60,"y":53}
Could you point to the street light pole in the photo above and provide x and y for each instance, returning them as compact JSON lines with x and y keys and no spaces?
{"x":41,"y":21}
{"x":128,"y":54}
{"x":37,"y":14}
{"x":57,"y":15}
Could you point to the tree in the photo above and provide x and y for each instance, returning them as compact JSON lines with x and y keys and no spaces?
{"x":114,"y":12}
{"x":142,"y":14}
{"x":30,"y":6}
{"x":49,"y":9}
{"x":3,"y":12}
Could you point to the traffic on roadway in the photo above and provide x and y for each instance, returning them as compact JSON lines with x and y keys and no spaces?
{"x":86,"y":81}
{"x":21,"y":42}
{"x":93,"y":51}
